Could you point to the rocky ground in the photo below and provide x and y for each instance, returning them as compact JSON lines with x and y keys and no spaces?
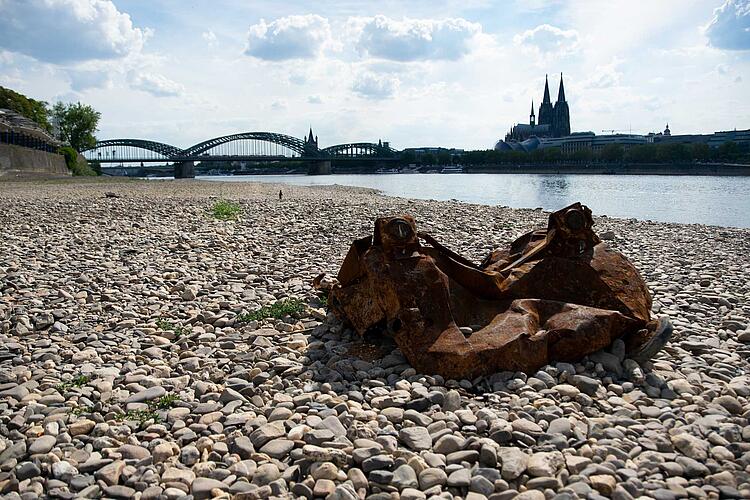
{"x":130,"y":369}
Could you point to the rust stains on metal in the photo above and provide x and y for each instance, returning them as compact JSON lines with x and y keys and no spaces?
{"x":555,"y":294}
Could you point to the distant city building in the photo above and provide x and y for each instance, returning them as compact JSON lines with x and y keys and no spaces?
{"x":740,"y":137}
{"x":554,"y":121}
{"x":552,"y":130}
{"x":588,"y":140}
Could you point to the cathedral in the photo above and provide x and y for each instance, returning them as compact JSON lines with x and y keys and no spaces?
{"x":554,"y":121}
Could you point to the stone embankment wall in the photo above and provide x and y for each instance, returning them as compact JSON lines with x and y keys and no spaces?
{"x":19,"y":161}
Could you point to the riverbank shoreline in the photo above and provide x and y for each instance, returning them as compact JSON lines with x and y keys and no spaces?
{"x":126,"y":368}
{"x":669,"y":169}
{"x":677,"y":169}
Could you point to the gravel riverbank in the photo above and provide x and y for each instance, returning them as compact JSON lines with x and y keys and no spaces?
{"x":125,"y":371}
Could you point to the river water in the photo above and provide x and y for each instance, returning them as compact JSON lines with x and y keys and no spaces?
{"x":720,"y":201}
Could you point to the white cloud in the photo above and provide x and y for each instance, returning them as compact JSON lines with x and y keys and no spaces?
{"x":6,"y":57}
{"x":291,"y":37}
{"x":730,"y":27}
{"x":414,"y":39}
{"x":297,"y":78}
{"x":279,"y":105}
{"x":374,"y":86}
{"x":209,"y":37}
{"x":155,"y":84}
{"x":548,"y":40}
{"x":83,"y":79}
{"x":314,"y":99}
{"x":61,"y":31}
{"x":604,"y":76}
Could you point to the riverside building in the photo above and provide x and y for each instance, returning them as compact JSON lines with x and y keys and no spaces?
{"x":552,"y":130}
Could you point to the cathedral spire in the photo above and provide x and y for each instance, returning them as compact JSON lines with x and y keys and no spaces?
{"x":546,"y":100}
{"x":561,"y":91}
{"x":532,"y":117}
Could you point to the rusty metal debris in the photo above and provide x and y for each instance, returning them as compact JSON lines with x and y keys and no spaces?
{"x":556,"y":294}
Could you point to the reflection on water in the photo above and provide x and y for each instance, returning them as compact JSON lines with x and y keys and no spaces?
{"x":556,"y":184}
{"x":721,"y":201}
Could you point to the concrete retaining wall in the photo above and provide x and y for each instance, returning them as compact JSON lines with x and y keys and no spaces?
{"x":19,"y":161}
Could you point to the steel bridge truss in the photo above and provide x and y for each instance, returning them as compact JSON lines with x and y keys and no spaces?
{"x":358,"y":150}
{"x":119,"y":150}
{"x":247,"y":145}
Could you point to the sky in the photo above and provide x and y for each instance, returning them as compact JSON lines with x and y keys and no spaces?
{"x":452,"y":73}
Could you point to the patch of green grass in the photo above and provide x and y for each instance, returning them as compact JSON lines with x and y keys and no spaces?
{"x":323,"y":298}
{"x":164,"y":403}
{"x":151,"y":413}
{"x":178,"y":330}
{"x":277,"y":310}
{"x":140,"y":416}
{"x":226,"y":210}
{"x":78,"y":381}
{"x":82,"y":410}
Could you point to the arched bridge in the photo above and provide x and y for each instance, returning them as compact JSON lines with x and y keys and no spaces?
{"x":250,"y":146}
{"x":359,"y":150}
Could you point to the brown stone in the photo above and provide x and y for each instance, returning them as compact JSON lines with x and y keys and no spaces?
{"x":603,"y":483}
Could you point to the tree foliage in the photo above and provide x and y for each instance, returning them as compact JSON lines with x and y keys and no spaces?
{"x":76,"y":163}
{"x":728,"y":151}
{"x":646,"y":153}
{"x":34,"y":110}
{"x":443,"y":158}
{"x":77,"y":123}
{"x":612,"y":152}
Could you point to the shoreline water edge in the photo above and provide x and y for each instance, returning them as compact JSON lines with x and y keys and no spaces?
{"x":129,"y":365}
{"x":719,"y":201}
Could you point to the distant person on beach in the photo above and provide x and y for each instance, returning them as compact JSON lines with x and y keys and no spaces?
{"x":281,"y":195}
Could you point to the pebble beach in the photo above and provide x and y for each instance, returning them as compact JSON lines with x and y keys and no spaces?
{"x":129,"y":367}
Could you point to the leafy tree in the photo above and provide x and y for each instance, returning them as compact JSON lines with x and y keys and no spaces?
{"x":641,"y":154}
{"x":701,"y":151}
{"x":77,"y":124}
{"x":97,"y":167}
{"x":76,"y":163}
{"x":666,"y":152}
{"x":32,"y":109}
{"x":612,"y":152}
{"x":443,"y":158}
{"x":538,"y":155}
{"x":427,"y":159}
{"x":584,"y":154}
{"x":408,"y":157}
{"x":552,"y":154}
{"x":728,"y":150}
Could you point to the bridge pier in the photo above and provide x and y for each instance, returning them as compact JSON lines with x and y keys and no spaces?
{"x":184,"y":170}
{"x":319,"y":167}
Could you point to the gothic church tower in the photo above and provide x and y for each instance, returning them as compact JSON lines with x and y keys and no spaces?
{"x":545,"y":109}
{"x":561,"y":113}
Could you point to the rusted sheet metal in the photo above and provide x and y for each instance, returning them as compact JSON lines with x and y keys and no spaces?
{"x":555,"y":295}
